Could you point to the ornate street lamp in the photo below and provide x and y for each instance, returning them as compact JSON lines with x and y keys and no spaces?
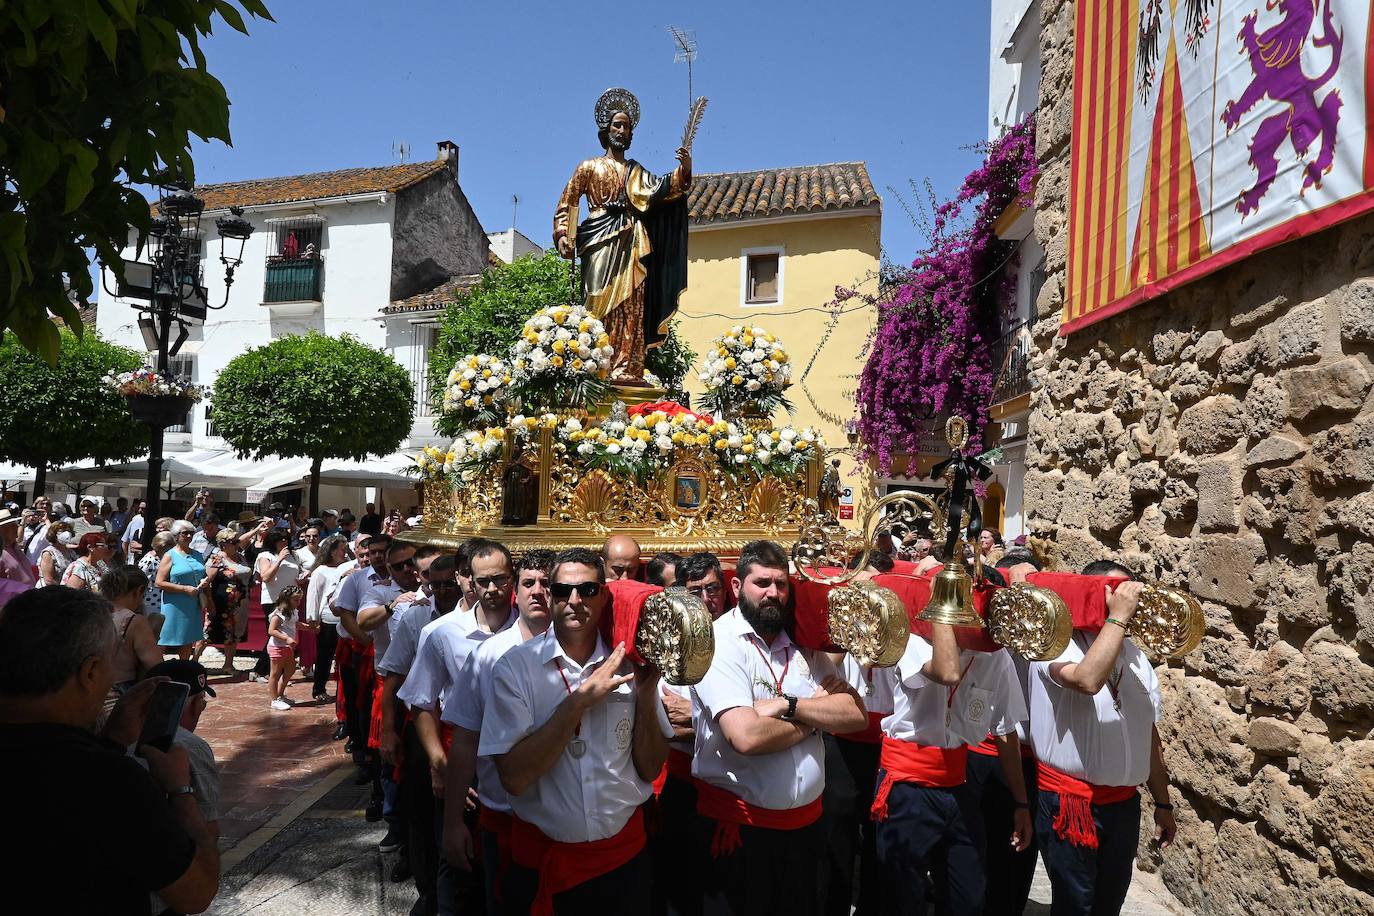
{"x":174,"y":296}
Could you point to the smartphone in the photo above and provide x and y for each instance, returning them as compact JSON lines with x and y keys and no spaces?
{"x":164,"y":714}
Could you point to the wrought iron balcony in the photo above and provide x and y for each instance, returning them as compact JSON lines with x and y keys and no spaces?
{"x":1011,"y":356}
{"x":293,"y":280}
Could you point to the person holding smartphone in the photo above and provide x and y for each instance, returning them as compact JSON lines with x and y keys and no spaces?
{"x":143,"y":827}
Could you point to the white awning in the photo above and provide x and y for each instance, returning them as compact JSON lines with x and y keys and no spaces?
{"x":223,"y":468}
{"x":199,"y":466}
{"x":370,"y":473}
{"x":15,"y":473}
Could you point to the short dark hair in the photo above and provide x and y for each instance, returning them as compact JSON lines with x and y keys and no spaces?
{"x":994,"y":575}
{"x":882,"y":562}
{"x":397,"y":546}
{"x":697,"y":566}
{"x":346,"y":517}
{"x":121,"y":580}
{"x":659,"y":563}
{"x":45,"y":636}
{"x":482,"y":547}
{"x":425,"y":550}
{"x":540,"y":559}
{"x":581,"y":556}
{"x":1015,"y":556}
{"x":272,"y":542}
{"x":760,"y":553}
{"x":445,"y":563}
{"x":381,"y":539}
{"x":211,"y":518}
{"x":1107,"y":568}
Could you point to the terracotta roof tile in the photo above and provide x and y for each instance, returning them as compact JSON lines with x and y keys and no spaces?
{"x":726,"y":196}
{"x":317,"y":185}
{"x":435,"y":299}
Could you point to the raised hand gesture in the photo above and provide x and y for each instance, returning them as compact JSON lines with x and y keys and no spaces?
{"x":603,"y":680}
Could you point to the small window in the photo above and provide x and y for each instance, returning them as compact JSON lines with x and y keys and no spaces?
{"x":762,"y":278}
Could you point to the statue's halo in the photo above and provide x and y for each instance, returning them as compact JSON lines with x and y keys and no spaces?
{"x":613,"y":100}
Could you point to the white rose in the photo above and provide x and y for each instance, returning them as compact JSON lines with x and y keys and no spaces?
{"x":753,"y":384}
{"x":543,"y":322}
{"x":663,"y":427}
{"x":741,"y":458}
{"x":763,"y":455}
{"x":734,"y":440}
{"x":664,"y":443}
{"x":469,"y":374}
{"x":584,"y":448}
{"x":784,"y":447}
{"x":613,"y":448}
{"x":787,"y":434}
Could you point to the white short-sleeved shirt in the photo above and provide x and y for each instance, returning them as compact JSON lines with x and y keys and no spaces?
{"x":406,"y":624}
{"x":1087,"y":736}
{"x":351,"y":591}
{"x":443,"y":647}
{"x":875,"y":685}
{"x":579,"y":799}
{"x":378,"y":596}
{"x":987,"y":700}
{"x":466,"y":702}
{"x":745,"y":669}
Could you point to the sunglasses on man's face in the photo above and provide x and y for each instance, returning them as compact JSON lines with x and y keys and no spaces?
{"x":564,"y":590}
{"x":403,"y":565}
{"x":485,"y":582}
{"x":443,"y":583}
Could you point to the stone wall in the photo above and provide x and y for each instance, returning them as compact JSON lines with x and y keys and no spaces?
{"x":1221,"y":438}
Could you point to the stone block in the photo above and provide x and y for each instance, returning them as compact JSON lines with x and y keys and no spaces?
{"x":1279,"y":678}
{"x":1296,"y":337}
{"x":1076,"y":499}
{"x":1041,"y":494}
{"x":1266,"y":407}
{"x":1344,"y":454}
{"x":1254,"y":305}
{"x":1354,"y":514}
{"x":1230,"y":569}
{"x":1209,"y":345}
{"x":1080,"y":441}
{"x":1275,"y":450}
{"x":1146,"y":480}
{"x":1211,"y":426}
{"x":1342,"y":813}
{"x":1295,"y":597}
{"x":1283,"y":808}
{"x":1274,"y":737}
{"x":1342,"y":682}
{"x":1356,"y":303}
{"x":1315,"y":758}
{"x":1112,"y":508}
{"x":1204,"y":740}
{"x":1179,"y":504}
{"x":1338,"y":387}
{"x":1239,"y":362}
{"x":1219,"y":494}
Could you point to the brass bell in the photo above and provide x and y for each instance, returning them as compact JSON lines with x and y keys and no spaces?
{"x":951,"y":596}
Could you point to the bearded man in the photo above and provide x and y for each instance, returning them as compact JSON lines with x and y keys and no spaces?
{"x":633,"y":243}
{"x":759,"y":761}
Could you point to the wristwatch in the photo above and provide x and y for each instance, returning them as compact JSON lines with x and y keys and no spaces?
{"x":389,"y":607}
{"x":791,"y":707}
{"x":180,"y":790}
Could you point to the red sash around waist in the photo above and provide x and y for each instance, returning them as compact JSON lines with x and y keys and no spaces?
{"x":1074,"y":822}
{"x":730,"y":812}
{"x":906,"y":761}
{"x":374,"y":722}
{"x":678,"y":765}
{"x":987,"y":747}
{"x":871,"y":735}
{"x":563,"y":866}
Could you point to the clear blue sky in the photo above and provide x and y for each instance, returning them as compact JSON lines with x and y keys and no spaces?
{"x":900,"y":84}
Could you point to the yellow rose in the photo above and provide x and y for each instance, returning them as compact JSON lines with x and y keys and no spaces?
{"x":677,"y":438}
{"x":780,"y":357}
{"x":703,"y":440}
{"x":584,"y":326}
{"x":721,"y":351}
{"x":748,"y":450}
{"x":721,"y":444}
{"x":464,"y":385}
{"x":774,"y":435}
{"x":770,"y":338}
{"x":472,"y":362}
{"x":559,"y":346}
{"x":558,"y":316}
{"x":800,"y":444}
{"x":556,"y":361}
{"x":736,"y":380}
{"x":604,"y":340}
{"x":748,"y":437}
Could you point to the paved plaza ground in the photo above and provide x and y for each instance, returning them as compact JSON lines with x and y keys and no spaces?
{"x":292,"y":832}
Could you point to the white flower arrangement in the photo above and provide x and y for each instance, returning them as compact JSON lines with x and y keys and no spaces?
{"x":477,"y":388}
{"x":563,"y":357}
{"x":147,"y":381}
{"x":466,"y":457}
{"x":781,"y":451}
{"x":745,"y":364}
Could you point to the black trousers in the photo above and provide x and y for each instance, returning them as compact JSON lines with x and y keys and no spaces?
{"x":326,"y":641}
{"x":933,"y":830}
{"x":678,"y":860}
{"x":855,"y":837}
{"x":357,"y":725}
{"x":772,"y":873}
{"x":442,"y":889}
{"x":623,"y":891}
{"x":1090,"y":882}
{"x":1013,"y":871}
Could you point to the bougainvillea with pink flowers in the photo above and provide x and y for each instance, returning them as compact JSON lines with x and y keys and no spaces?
{"x":931,"y":355}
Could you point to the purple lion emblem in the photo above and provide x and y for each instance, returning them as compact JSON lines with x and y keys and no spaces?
{"x":1276,"y":59}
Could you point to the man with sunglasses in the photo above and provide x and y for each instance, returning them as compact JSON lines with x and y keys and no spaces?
{"x":443,"y":645}
{"x":463,"y":708}
{"x":759,"y":758}
{"x":578,"y":735}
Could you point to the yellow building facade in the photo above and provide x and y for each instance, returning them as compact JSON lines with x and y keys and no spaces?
{"x":769,"y":248}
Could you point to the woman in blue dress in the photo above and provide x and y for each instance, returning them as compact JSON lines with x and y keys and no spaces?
{"x":181,"y":576}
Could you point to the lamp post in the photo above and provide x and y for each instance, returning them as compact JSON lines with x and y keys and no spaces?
{"x":175,"y":296}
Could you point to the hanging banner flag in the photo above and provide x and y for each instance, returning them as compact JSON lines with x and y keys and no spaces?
{"x":1205,"y":131}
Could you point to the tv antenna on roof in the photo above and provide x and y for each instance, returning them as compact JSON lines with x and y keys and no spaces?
{"x":401,"y":150}
{"x":685,"y":41}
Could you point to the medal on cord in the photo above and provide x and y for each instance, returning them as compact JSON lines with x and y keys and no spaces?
{"x":949,"y":702}
{"x":577,"y":747}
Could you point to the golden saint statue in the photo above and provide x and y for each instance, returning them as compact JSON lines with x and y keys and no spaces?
{"x":633,"y":243}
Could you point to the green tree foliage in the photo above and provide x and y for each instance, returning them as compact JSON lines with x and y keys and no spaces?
{"x":671,"y":361}
{"x":488,"y":317}
{"x":58,"y":414}
{"x":316,"y":397}
{"x":95,"y":96}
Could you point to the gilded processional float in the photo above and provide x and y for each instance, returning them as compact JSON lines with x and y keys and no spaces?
{"x":565,"y":442}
